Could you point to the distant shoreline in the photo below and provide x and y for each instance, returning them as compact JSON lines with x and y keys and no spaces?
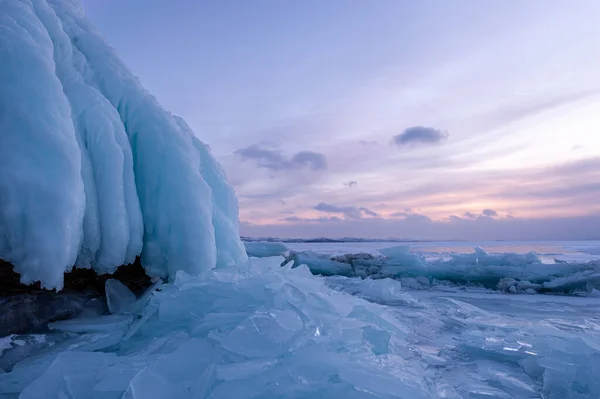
{"x":324,"y":240}
{"x":336,"y":240}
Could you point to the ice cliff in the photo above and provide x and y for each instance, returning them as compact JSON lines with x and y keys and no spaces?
{"x":93,"y":171}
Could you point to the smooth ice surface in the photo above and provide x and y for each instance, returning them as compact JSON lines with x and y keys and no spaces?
{"x":265,"y":249}
{"x":93,"y":168}
{"x":510,"y":272}
{"x":265,"y":331}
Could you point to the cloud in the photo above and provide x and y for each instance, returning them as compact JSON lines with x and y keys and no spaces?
{"x":409,"y":215}
{"x":577,"y":148}
{"x":349,"y":212}
{"x":420,"y":135}
{"x":368,"y":212}
{"x":486,"y":213}
{"x":275,"y":160}
{"x":489,"y":213}
{"x":311,"y":159}
{"x":312,"y":220}
{"x":568,"y":189}
{"x":351,"y":183}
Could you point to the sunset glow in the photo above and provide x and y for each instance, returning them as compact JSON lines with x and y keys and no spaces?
{"x":490,"y":106}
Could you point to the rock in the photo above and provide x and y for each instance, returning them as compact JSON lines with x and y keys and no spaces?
{"x":27,"y":309}
{"x":31,"y":313}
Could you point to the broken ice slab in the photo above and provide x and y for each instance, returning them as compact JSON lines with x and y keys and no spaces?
{"x":19,"y":378}
{"x":584,"y":279}
{"x":392,"y":374}
{"x":264,"y":334}
{"x":117,"y":377}
{"x":185,"y":363}
{"x":484,"y":391}
{"x":119,"y":298}
{"x":80,"y":343}
{"x":266,"y":264}
{"x":148,"y":313}
{"x":219,"y":321}
{"x":149,"y":385}
{"x":509,"y":378}
{"x":241,"y":370}
{"x":71,"y":375}
{"x":138,"y":306}
{"x":265,"y":249}
{"x":203,"y":385}
{"x":106,"y":323}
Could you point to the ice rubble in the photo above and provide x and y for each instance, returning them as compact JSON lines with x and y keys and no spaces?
{"x":265,"y":249}
{"x":258,"y":331}
{"x":265,"y":331}
{"x":510,"y":272}
{"x":93,"y":169}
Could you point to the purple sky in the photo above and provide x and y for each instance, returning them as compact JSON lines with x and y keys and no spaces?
{"x":429,"y":120}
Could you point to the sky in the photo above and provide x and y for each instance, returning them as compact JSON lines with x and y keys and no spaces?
{"x":458,"y":119}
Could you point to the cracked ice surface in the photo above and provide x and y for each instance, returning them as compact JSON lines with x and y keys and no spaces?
{"x":265,"y":331}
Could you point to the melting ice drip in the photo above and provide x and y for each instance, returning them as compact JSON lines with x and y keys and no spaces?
{"x":94,"y":171}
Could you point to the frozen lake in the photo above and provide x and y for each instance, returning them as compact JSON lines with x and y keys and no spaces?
{"x":452,"y":323}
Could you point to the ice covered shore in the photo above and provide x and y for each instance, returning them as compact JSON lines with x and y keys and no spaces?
{"x":265,"y":331}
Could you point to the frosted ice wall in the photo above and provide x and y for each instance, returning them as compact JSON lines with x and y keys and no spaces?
{"x":94,"y":171}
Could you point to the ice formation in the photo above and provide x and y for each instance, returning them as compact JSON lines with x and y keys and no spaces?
{"x":265,"y":249}
{"x":510,"y":272}
{"x":94,"y":171}
{"x":265,"y":331}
